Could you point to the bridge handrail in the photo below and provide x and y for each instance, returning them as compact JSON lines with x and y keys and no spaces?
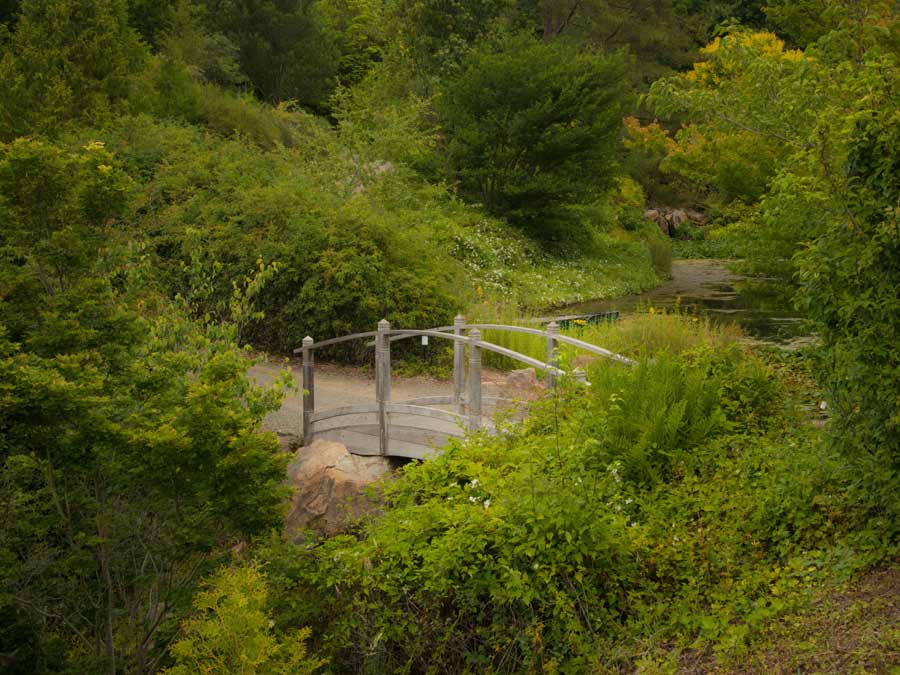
{"x":565,"y":339}
{"x":408,"y":333}
{"x":338,"y":340}
{"x":491,"y":347}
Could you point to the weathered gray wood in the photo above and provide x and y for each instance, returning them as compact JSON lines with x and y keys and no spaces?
{"x":422,"y":411}
{"x":459,"y":364}
{"x":552,"y":351}
{"x":383,"y":381}
{"x":338,"y":340}
{"x":413,"y":332}
{"x":594,"y":349}
{"x":359,"y":442}
{"x":355,"y":409}
{"x":309,"y":388}
{"x":587,"y":346}
{"x":407,"y":434}
{"x":406,"y":336}
{"x":527,"y":360}
{"x":504,"y":327}
{"x":474,"y":380}
{"x":431,"y":400}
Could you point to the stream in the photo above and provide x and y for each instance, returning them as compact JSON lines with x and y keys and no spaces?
{"x":708,"y":288}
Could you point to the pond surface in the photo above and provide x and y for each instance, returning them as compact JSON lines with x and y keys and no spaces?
{"x":709,"y":288}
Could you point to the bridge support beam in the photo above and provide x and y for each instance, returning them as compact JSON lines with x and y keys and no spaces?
{"x":383,"y":383}
{"x":309,"y":389}
{"x":459,"y":364}
{"x":474,"y":380}
{"x":552,"y":351}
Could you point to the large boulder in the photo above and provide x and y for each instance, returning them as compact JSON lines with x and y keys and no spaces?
{"x":329,"y":487}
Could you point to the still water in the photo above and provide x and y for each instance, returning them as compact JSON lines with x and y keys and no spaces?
{"x":709,"y":288}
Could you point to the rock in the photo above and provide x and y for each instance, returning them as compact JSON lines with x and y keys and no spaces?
{"x":380,"y":166}
{"x":525,"y":379}
{"x":659,"y":218}
{"x":671,"y":220}
{"x":288,"y":443}
{"x":695,"y":216}
{"x":677,"y":218}
{"x":329,"y":487}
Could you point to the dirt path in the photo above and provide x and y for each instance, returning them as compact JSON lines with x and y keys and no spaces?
{"x":340,"y":385}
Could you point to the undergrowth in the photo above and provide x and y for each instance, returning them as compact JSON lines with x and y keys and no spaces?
{"x":683,"y":503}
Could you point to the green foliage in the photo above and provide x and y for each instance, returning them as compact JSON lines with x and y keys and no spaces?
{"x":533,"y":129}
{"x":186,"y":38}
{"x":232,"y":632}
{"x":351,"y":249}
{"x":849,"y":273}
{"x":285,"y":48}
{"x":657,"y":502}
{"x":750,"y":101}
{"x":439,"y":34}
{"x":130,"y":446}
{"x":828,"y":214}
{"x":66,"y":61}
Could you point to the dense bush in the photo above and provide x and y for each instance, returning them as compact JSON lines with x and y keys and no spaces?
{"x":130,"y":443}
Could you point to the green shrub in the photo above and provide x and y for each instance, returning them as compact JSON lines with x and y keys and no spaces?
{"x":232,"y":632}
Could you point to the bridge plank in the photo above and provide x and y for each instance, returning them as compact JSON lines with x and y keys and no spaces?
{"x":356,"y":409}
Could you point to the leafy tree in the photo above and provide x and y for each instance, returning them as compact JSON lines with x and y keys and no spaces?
{"x":210,"y":56}
{"x":66,"y":61}
{"x":533,"y":129}
{"x":359,"y":27}
{"x":658,"y":37}
{"x":850,"y":271}
{"x":748,"y":105}
{"x":129,"y":445}
{"x":435,"y":33}
{"x":286,"y":48}
{"x":8,"y":11}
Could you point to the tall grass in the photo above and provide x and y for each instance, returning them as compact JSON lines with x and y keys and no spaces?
{"x":640,"y":336}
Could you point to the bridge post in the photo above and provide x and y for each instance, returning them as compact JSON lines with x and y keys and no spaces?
{"x":459,"y":363}
{"x":474,"y":380}
{"x":552,"y":351}
{"x":383,"y":382}
{"x":309,"y":389}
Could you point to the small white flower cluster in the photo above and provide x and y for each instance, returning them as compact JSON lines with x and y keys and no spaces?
{"x":473,"y":498}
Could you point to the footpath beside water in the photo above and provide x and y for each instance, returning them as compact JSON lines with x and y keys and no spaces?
{"x":709,"y":288}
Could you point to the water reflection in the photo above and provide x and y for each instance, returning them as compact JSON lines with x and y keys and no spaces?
{"x":707,"y":287}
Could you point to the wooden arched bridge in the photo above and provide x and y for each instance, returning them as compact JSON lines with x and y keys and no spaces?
{"x":416,"y":428}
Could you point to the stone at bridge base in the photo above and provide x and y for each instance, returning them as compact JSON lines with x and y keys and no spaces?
{"x":329,"y":487}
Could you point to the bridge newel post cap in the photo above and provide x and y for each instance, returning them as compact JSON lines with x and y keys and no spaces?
{"x":552,"y":327}
{"x":384,"y":324}
{"x":475,"y":334}
{"x":308,"y":341}
{"x":459,"y":319}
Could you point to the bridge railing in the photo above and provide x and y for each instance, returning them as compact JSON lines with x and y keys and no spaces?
{"x":467,"y":392}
